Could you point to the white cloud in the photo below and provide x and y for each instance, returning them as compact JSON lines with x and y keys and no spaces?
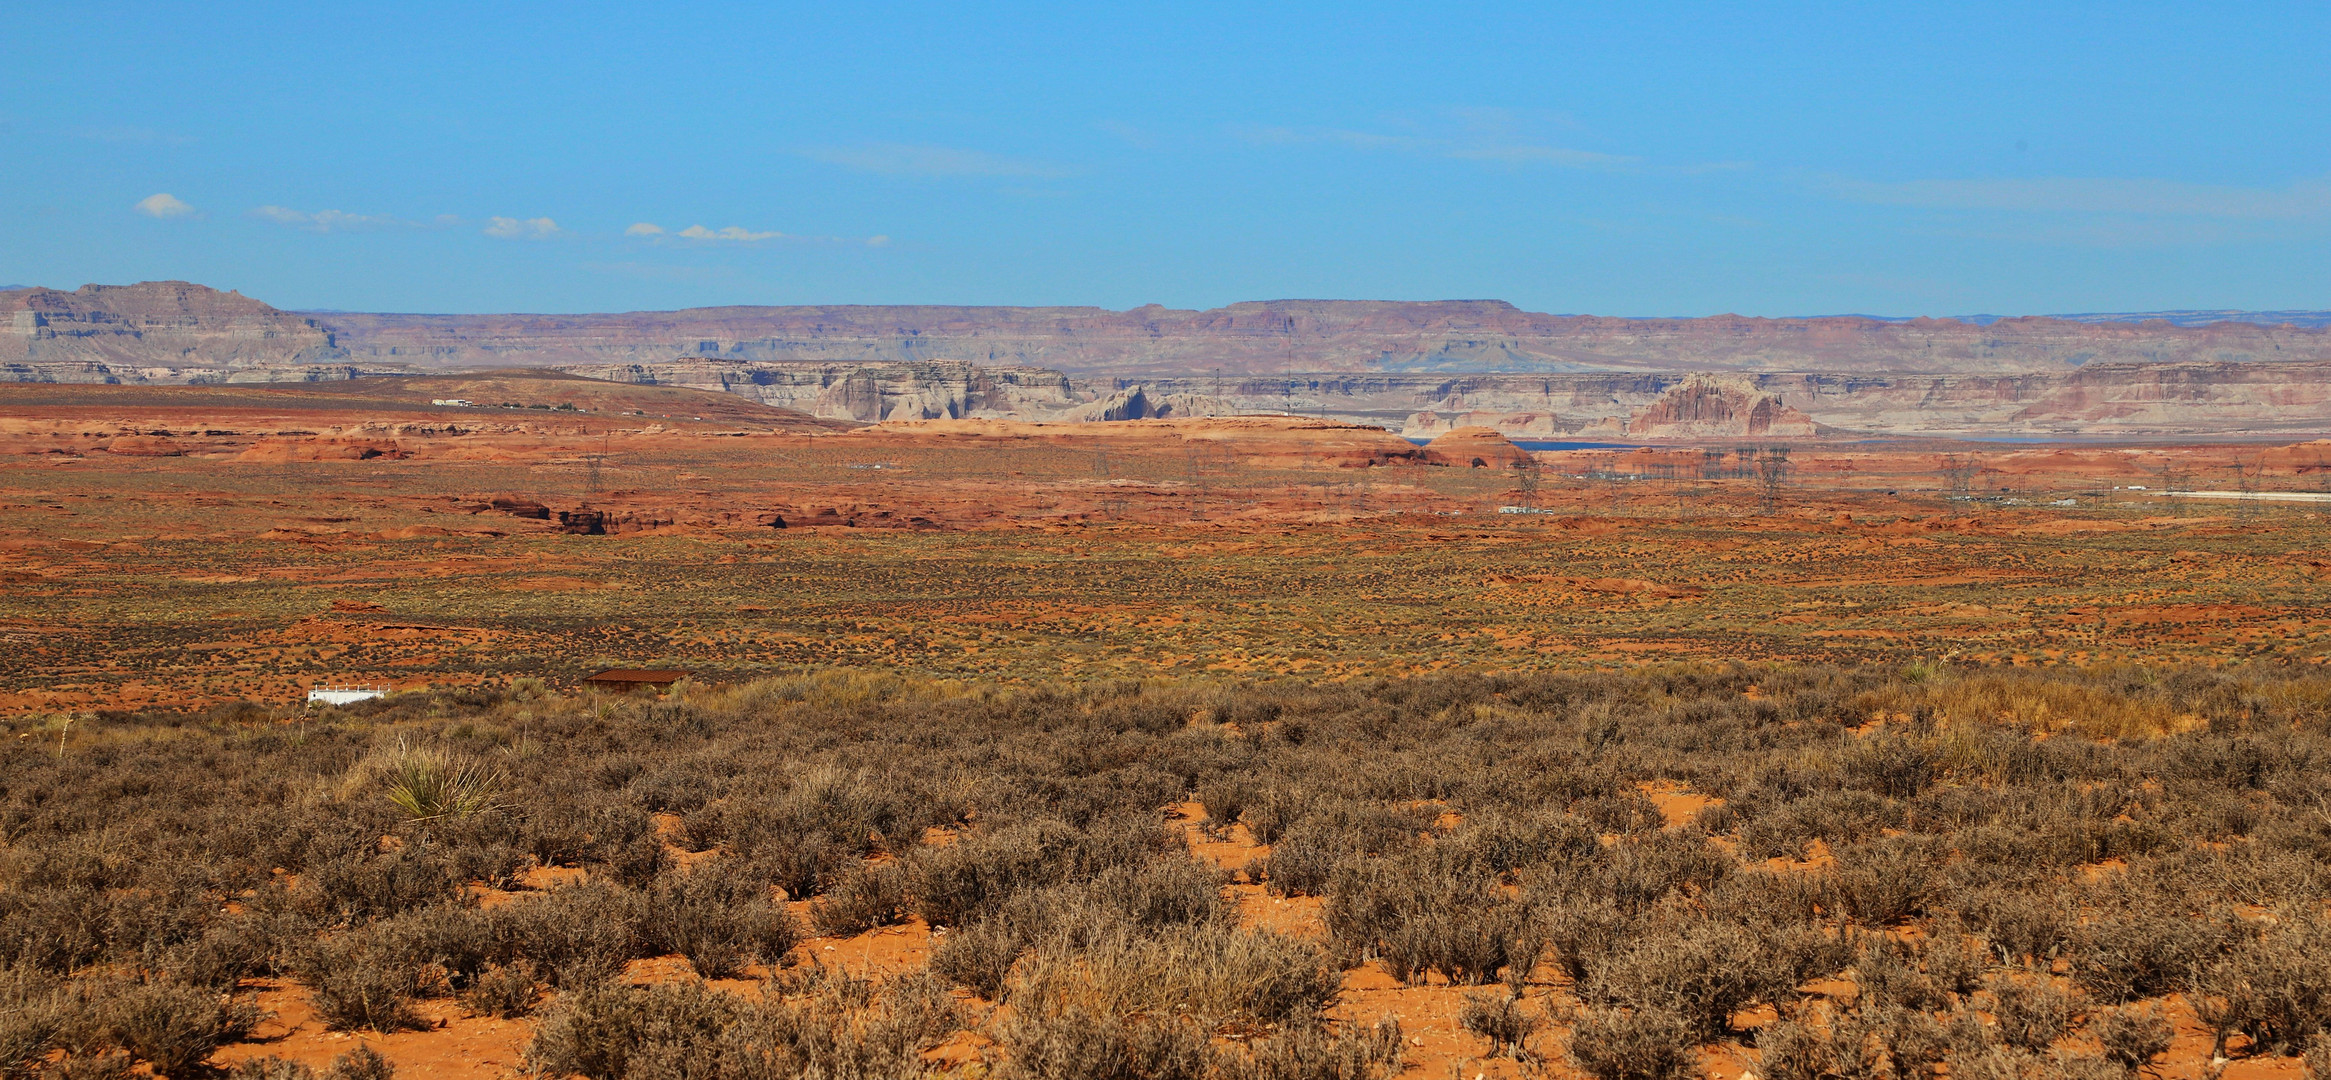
{"x":324,"y":221}
{"x":644,"y":228}
{"x":733,"y":234}
{"x":898,"y":159}
{"x":2065,"y":194}
{"x":162,"y":204}
{"x":540,"y":228}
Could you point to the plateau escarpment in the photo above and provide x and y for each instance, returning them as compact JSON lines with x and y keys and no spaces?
{"x":169,"y":331}
{"x":1266,"y":337}
{"x":1419,"y":368}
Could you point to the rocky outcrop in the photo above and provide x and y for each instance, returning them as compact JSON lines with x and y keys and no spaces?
{"x":102,"y":333}
{"x":1712,"y":407}
{"x":1476,"y":448}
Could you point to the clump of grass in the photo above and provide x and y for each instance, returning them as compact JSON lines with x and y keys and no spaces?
{"x":431,"y":783}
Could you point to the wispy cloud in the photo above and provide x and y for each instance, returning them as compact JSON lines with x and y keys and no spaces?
{"x":698,"y":235}
{"x":540,"y":228}
{"x":162,"y":204}
{"x":733,"y":234}
{"x":328,"y":221}
{"x":2309,"y":199}
{"x":900,"y":159}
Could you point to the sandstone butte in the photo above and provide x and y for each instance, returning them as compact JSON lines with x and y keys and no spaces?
{"x":1476,"y":447}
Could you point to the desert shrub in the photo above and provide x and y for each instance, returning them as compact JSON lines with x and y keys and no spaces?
{"x":824,"y":1025}
{"x":2031,"y":1012}
{"x":1581,"y":932}
{"x":721,"y":922}
{"x":979,"y":957}
{"x":1889,"y":764}
{"x":1269,"y":812}
{"x":452,"y":942}
{"x":1695,"y":969}
{"x":603,"y":1031}
{"x":359,"y":980}
{"x":32,"y":1016}
{"x":362,"y":1063}
{"x":234,"y":948}
{"x":1954,"y":959}
{"x":1500,"y":845}
{"x":2145,"y":951}
{"x":1416,"y":921}
{"x":1641,"y":871}
{"x":623,"y":846}
{"x":1885,"y":881}
{"x":2131,"y":1038}
{"x":359,"y":883}
{"x":576,"y":934}
{"x":2020,"y":926}
{"x":1081,"y":1044}
{"x":866,"y":897}
{"x":1834,"y":817}
{"x":1304,"y":859}
{"x":1212,"y":973}
{"x":1624,"y":811}
{"x":1501,"y":1019}
{"x":954,"y":884}
{"x":270,"y":1067}
{"x":506,"y":991}
{"x":172,"y":1027}
{"x":1643,"y":1044}
{"x":1845,"y":1048}
{"x":1172,"y":890}
{"x":1225,"y":799}
{"x":1887,"y":979}
{"x":1305,"y":1051}
{"x":54,"y":929}
{"x":2275,"y":988}
{"x":2316,"y":1059}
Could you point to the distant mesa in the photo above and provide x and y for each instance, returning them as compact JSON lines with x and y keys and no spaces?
{"x":1418,"y":368}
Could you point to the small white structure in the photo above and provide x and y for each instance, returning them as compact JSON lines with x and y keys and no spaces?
{"x":463,"y":402}
{"x":345,"y":695}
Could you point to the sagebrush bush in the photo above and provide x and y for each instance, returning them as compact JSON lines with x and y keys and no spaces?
{"x":1501,"y":1019}
{"x":2132,"y":1038}
{"x":1643,"y":1044}
{"x":864,"y":898}
{"x":170,"y":1026}
{"x":721,"y":921}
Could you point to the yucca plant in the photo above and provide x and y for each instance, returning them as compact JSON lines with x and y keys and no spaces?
{"x":428,"y":784}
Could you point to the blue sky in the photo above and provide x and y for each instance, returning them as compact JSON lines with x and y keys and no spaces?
{"x":1625,"y":158}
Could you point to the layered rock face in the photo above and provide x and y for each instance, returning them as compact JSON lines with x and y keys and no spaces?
{"x":135,"y":333}
{"x":936,"y":390}
{"x":1278,"y":336}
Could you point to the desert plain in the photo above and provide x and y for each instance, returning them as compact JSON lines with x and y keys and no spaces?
{"x":1377,"y":752}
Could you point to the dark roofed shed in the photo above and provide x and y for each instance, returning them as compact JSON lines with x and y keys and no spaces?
{"x":633,"y":678}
